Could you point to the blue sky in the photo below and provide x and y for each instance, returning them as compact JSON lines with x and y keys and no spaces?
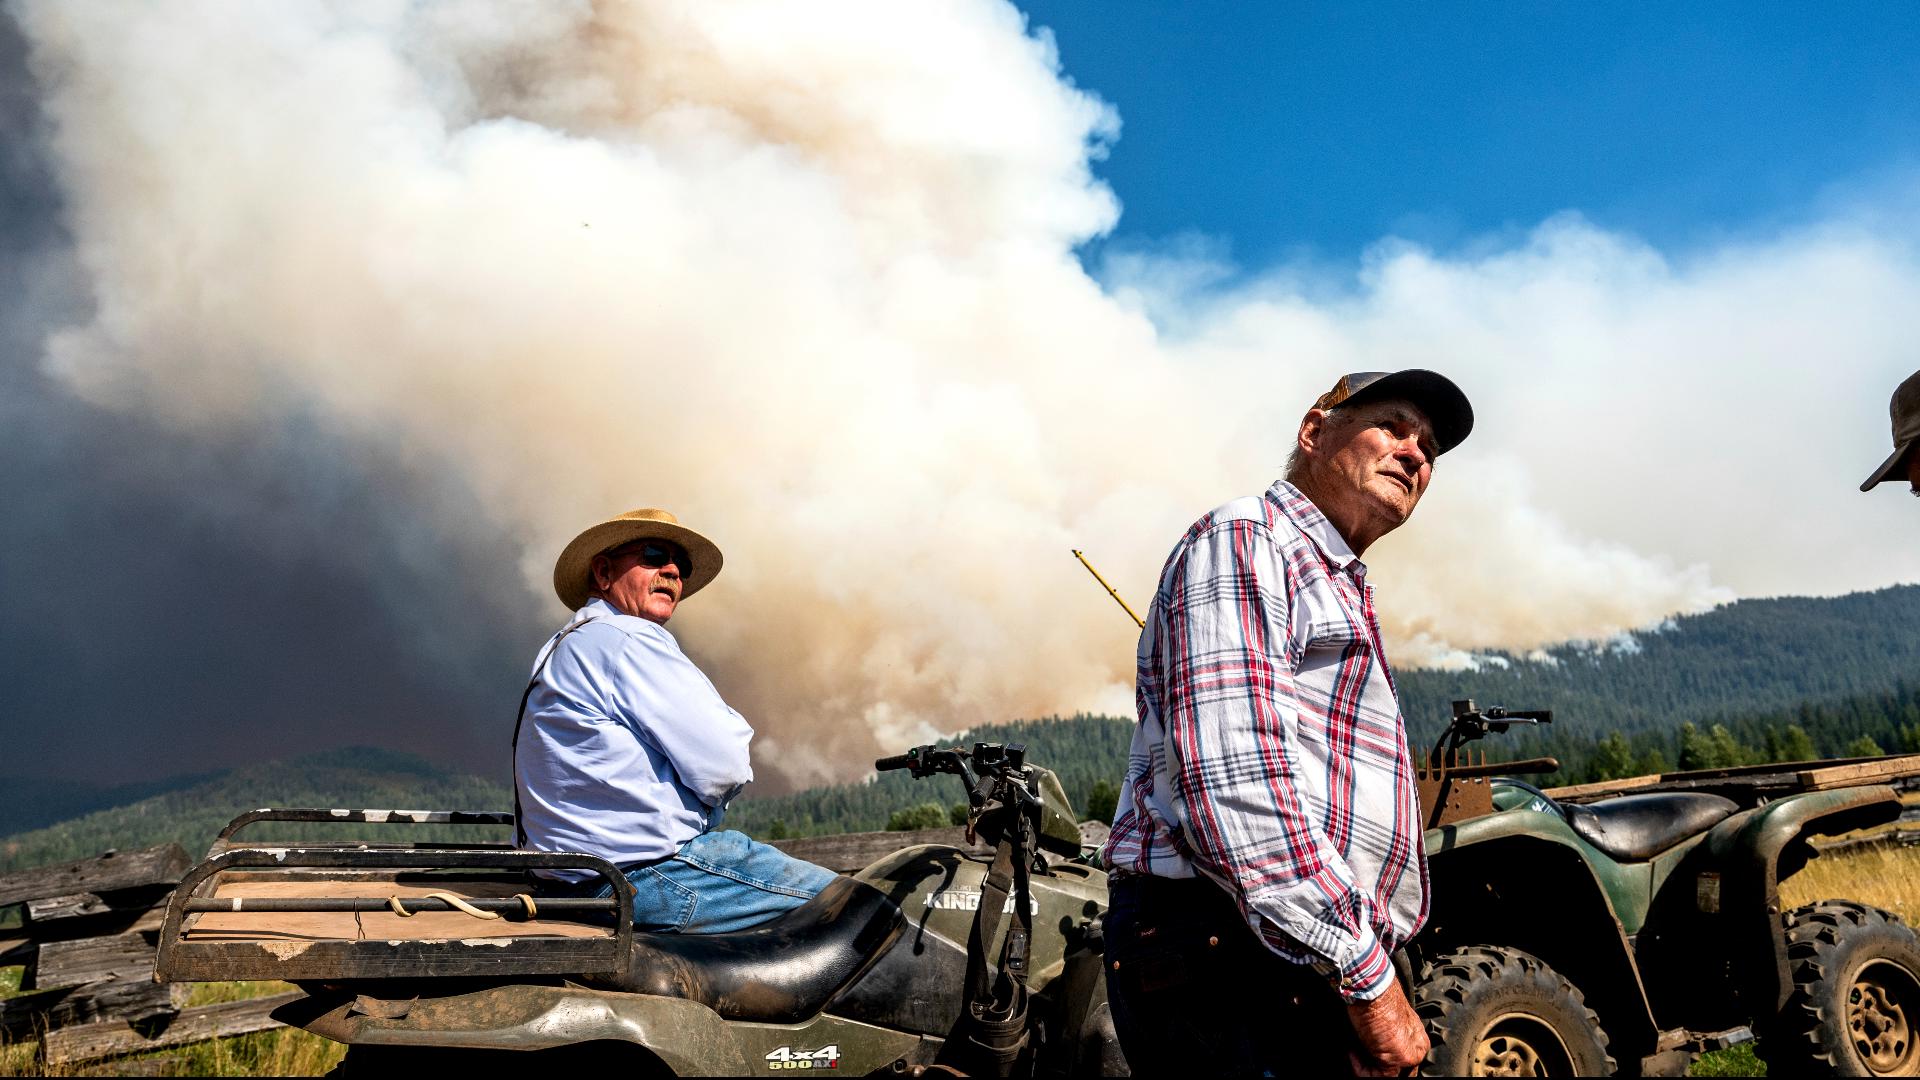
{"x":1315,"y":129}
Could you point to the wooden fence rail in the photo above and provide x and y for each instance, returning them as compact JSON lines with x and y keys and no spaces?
{"x":88,"y":936}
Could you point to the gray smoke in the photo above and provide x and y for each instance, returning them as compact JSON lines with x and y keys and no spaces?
{"x":364,"y":310}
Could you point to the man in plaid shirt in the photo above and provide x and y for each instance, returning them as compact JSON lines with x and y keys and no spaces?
{"x":1267,"y":848}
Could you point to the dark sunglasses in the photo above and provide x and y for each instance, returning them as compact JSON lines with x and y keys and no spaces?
{"x":660,"y":553}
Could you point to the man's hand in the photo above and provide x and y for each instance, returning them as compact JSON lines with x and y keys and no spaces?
{"x":1393,"y":1042}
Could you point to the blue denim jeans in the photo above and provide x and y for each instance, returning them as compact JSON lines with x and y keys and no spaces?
{"x":720,"y":881}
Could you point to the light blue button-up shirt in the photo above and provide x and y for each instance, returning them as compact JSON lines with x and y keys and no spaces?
{"x":627,"y":751}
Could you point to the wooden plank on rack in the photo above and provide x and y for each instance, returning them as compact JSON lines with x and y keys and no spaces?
{"x":1628,"y":785}
{"x":162,"y":865}
{"x":1754,"y":780}
{"x":1881,"y":771}
{"x":90,"y":1042}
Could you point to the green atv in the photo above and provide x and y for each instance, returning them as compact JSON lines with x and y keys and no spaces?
{"x":933,"y":957}
{"x":1630,"y":926}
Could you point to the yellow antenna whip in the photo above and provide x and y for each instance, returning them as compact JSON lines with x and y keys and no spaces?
{"x":1137,"y":620}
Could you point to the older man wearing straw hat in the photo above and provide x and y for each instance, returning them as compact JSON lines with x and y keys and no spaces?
{"x":623,"y":749}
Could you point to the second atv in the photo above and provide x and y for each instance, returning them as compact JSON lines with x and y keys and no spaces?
{"x":1627,"y":927}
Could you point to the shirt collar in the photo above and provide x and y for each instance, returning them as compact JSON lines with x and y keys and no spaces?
{"x":600,"y":608}
{"x":597,"y":608}
{"x":1314,"y":525}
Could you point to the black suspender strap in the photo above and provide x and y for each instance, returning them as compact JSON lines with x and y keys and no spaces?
{"x":996,"y":1018}
{"x":519,"y":829}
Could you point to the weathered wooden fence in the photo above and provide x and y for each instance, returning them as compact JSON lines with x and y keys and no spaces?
{"x":87,"y":939}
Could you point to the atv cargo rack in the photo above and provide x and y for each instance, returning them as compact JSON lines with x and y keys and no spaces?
{"x":1750,"y":785}
{"x":342,"y":910}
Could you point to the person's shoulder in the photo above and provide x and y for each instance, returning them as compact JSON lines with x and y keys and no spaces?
{"x":1249,"y":512}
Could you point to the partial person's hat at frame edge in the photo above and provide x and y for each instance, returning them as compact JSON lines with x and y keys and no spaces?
{"x":1905,"y":410}
{"x":570,"y":581}
{"x":1446,"y":407}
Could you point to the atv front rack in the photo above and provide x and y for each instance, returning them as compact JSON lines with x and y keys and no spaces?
{"x":351,"y":910}
{"x":1749,"y":785}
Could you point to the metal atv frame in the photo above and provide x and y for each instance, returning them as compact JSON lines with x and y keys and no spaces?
{"x":182,"y":959}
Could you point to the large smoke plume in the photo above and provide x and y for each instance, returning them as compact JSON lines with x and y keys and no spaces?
{"x":445,"y":283}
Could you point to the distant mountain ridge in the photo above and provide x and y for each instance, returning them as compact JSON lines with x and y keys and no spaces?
{"x":192,"y":814}
{"x":1748,"y":657}
{"x":1844,"y":672}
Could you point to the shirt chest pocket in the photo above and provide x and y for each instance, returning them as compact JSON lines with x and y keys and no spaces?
{"x":1325,"y":644}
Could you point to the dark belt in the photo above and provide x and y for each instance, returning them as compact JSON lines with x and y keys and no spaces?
{"x":1149,"y":893}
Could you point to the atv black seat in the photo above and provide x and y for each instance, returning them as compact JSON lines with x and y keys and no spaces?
{"x":1634,"y":828}
{"x":780,"y":972}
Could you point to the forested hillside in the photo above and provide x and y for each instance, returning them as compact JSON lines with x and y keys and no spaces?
{"x":358,"y":778}
{"x":1089,"y":751}
{"x":1760,"y":680}
{"x":28,"y":801}
{"x":1084,"y":751}
{"x":1749,"y":658}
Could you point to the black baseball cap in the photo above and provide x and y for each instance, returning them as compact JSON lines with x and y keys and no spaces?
{"x":1432,"y":393}
{"x":1905,"y":410}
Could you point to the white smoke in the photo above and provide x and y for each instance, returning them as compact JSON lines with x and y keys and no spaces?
{"x":805,"y":274}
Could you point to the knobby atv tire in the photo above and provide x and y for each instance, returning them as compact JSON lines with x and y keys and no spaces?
{"x":1854,"y":1009}
{"x":1493,"y":1011}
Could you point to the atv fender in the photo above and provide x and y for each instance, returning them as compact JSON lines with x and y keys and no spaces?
{"x":1756,"y":849}
{"x":685,"y":1037}
{"x":691,"y":1039}
{"x":1523,"y":879}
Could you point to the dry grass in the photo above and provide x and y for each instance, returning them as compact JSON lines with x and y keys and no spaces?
{"x":1885,"y":877}
{"x":282,"y":1052}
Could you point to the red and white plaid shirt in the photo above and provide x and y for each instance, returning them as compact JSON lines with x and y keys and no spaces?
{"x":1271,"y":755}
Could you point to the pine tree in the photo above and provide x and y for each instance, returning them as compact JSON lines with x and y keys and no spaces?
{"x":1612,"y":759}
{"x":1793,"y":745}
{"x":1863,"y":746}
{"x":925,"y":816}
{"x":1102,"y":801}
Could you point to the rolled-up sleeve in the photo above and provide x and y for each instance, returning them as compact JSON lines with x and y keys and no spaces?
{"x":676,"y":710}
{"x":1232,"y":731}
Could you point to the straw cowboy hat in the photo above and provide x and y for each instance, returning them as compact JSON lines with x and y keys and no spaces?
{"x":570,"y":571}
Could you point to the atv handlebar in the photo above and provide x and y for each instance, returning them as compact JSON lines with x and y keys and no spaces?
{"x":897,"y":761}
{"x":1470,"y":722}
{"x":1526,"y":716}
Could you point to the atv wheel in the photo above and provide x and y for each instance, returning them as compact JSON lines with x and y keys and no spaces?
{"x":1494,"y":1011}
{"x":1855,"y":1005}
